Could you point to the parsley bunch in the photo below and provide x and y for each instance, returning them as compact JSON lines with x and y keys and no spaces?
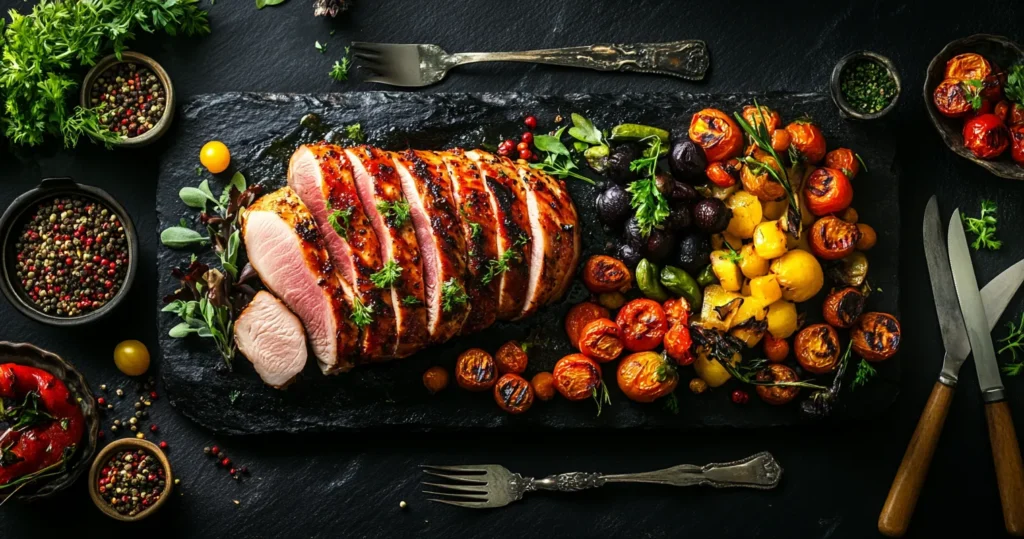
{"x":983,"y":226}
{"x":43,"y":48}
{"x":650,"y":205}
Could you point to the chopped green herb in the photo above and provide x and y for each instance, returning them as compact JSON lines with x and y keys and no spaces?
{"x":475,"y":229}
{"x":397,"y":212}
{"x":233,"y":396}
{"x":338,"y":219}
{"x":322,"y":47}
{"x":452,"y":295}
{"x":388,"y":275}
{"x":864,"y":373}
{"x":1014,"y":342}
{"x":499,"y":265}
{"x":355,"y":133}
{"x":984,"y":227}
{"x":867,"y":86}
{"x":362,"y":314}
{"x":340,"y":70}
{"x":410,"y":300}
{"x":672,"y":403}
{"x":972,"y":91}
{"x":1015,"y":84}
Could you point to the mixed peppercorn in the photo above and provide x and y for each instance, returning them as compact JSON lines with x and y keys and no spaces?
{"x":132,"y":481}
{"x":130,"y":97}
{"x":72,"y":256}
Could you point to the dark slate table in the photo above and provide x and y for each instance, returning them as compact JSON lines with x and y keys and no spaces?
{"x":350,"y":486}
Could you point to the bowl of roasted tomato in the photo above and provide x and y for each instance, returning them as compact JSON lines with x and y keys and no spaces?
{"x":49,"y":423}
{"x":974,"y":91}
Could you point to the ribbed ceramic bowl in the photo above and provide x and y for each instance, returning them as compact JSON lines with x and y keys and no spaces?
{"x":10,"y":225}
{"x":163,"y":124}
{"x":27,"y":354}
{"x":129,"y":444}
{"x":996,"y":49}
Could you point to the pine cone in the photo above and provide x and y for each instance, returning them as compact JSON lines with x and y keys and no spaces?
{"x":323,"y":8}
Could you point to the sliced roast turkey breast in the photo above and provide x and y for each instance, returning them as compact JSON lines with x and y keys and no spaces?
{"x":555,"y":238}
{"x":380,"y":190}
{"x":321,"y":176}
{"x":427,"y":187}
{"x":286,"y":250}
{"x":272,"y":339}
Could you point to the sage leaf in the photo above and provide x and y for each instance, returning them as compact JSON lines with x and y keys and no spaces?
{"x":193,"y":197}
{"x":177,"y":237}
{"x":550,"y":144}
{"x":204,"y":186}
{"x":182,"y":330}
{"x":238,"y":182}
{"x":583,"y":129}
{"x":260,"y":4}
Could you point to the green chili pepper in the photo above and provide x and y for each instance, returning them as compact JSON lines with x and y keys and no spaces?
{"x":597,"y":157}
{"x":636,"y":132}
{"x":647,"y":280}
{"x":680,"y":283}
{"x":707,"y":276}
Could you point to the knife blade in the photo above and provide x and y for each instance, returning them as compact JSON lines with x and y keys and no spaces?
{"x":1001,"y":433}
{"x":999,"y":291}
{"x":951,"y":321}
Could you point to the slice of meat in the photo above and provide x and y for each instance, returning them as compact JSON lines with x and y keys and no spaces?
{"x":513,"y":231}
{"x":477,"y":211}
{"x":321,"y":176}
{"x":286,"y":250}
{"x":556,"y":238}
{"x":380,"y":190}
{"x":427,"y":187}
{"x":271,"y":337}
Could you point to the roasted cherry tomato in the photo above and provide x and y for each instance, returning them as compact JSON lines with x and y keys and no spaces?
{"x":435,"y":379}
{"x":849,"y":215}
{"x":511,"y":358}
{"x":950,"y":98}
{"x":876,"y":336}
{"x":992,"y":86}
{"x":677,"y":311}
{"x":868,"y":237}
{"x":580,"y":315}
{"x":646,"y":376}
{"x":603,"y":273}
{"x":513,"y":393}
{"x":1002,"y":110}
{"x":773,"y":394}
{"x":986,"y":136}
{"x":643,"y":324}
{"x":760,"y":182}
{"x":601,"y":340}
{"x":781,"y":140}
{"x":968,"y":66}
{"x":843,"y":306}
{"x":1016,"y":115}
{"x":215,"y":156}
{"x":475,"y":370}
{"x":808,"y":140}
{"x":131,"y":357}
{"x":776,"y":350}
{"x":765,"y":116}
{"x":577,"y":377}
{"x":832,"y":238}
{"x":724,"y":174}
{"x":817,"y":348}
{"x":678,"y":343}
{"x":611,"y":300}
{"x":828,"y":191}
{"x":543,"y":384}
{"x":1017,"y":143}
{"x":843,"y":160}
{"x":715,"y":132}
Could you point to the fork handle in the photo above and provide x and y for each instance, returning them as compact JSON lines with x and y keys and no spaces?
{"x":687,"y":59}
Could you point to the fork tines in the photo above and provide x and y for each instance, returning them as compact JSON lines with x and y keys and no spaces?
{"x":468,"y":490}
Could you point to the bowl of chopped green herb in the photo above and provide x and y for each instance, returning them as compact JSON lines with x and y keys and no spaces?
{"x":865,"y":85}
{"x":132,"y":96}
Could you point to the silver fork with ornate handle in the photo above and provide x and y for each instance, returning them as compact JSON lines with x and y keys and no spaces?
{"x":487,"y":486}
{"x":401,"y":64}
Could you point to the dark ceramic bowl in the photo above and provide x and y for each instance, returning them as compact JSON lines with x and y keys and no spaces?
{"x":27,"y":354}
{"x":10,"y":225}
{"x":129,"y":444}
{"x":845,"y":108}
{"x":997,"y":49}
{"x":163,"y":124}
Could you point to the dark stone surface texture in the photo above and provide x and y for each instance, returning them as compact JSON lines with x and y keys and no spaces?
{"x":350,"y":484}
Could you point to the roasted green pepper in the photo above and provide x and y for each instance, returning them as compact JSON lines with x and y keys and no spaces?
{"x":647,"y":280}
{"x":597,"y":157}
{"x":680,"y":283}
{"x":707,"y":276}
{"x":637,"y":132}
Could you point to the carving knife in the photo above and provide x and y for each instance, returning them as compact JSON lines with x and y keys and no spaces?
{"x":1001,"y":434}
{"x":899,"y":505}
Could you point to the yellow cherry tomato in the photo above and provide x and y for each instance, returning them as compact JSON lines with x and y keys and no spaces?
{"x":131,"y":357}
{"x":215,"y":156}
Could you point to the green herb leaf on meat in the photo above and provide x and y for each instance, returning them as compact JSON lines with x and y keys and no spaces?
{"x":557,"y":159}
{"x":397,"y":211}
{"x":411,"y":301}
{"x":452,"y":295}
{"x":338,"y":219}
{"x":387,"y":276}
{"x":362,"y":314}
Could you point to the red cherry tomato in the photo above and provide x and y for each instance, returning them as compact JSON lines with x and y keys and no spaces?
{"x":828,"y":191}
{"x":1017,"y":138}
{"x":643,"y":325}
{"x":678,"y":343}
{"x":986,"y":136}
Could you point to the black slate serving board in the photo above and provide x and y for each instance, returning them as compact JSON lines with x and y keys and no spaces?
{"x":263,"y":129}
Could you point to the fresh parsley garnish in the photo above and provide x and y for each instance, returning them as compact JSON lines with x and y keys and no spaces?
{"x":388,"y":275}
{"x":474,"y":229}
{"x":338,"y":219}
{"x":397,"y":212}
{"x":233,"y":396}
{"x":452,"y":295}
{"x":650,"y":205}
{"x":340,"y":70}
{"x":362,"y":314}
{"x":322,"y":47}
{"x":355,"y":133}
{"x":1014,"y":342}
{"x":984,"y":227}
{"x":972,"y":92}
{"x":410,"y":300}
{"x":496,"y":267}
{"x":557,"y":159}
{"x":732,"y":256}
{"x":1014,"y":89}
{"x":864,"y":373}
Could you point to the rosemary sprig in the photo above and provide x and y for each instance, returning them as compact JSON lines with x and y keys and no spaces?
{"x":1014,"y":342}
{"x":762,"y":138}
{"x":745,"y":372}
{"x":601,"y":396}
{"x":865,"y":372}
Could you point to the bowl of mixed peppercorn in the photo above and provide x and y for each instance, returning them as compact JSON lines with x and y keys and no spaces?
{"x":133,"y":97}
{"x":69,"y":253}
{"x":130,"y":479}
{"x":865,"y":85}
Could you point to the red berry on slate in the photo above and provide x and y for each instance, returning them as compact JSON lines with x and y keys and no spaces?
{"x":503,"y":151}
{"x":740,"y":397}
{"x":101,"y":401}
{"x":522,"y":146}
{"x":531,"y":122}
{"x":153,"y":428}
{"x":525,"y":154}
{"x":153,"y":395}
{"x":232,"y":471}
{"x":214,"y":450}
{"x":226,"y":462}
{"x":527,"y":137}
{"x":163,"y":445}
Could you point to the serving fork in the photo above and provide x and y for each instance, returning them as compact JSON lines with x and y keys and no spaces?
{"x":424,"y":64}
{"x":487,"y":486}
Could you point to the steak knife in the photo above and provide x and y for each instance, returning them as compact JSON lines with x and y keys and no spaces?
{"x":1001,"y":434}
{"x":906,"y":486}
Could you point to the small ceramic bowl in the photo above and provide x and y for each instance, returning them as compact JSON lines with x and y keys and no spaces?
{"x":1004,"y":53}
{"x":27,"y":354}
{"x":845,"y":108}
{"x":128,"y":444}
{"x":11,"y":223}
{"x":163,"y":124}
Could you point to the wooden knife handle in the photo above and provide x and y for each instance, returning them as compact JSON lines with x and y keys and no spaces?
{"x":899,"y":505}
{"x":1009,"y":471}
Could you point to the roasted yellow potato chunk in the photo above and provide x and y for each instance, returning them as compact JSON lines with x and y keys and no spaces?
{"x":748,"y":323}
{"x":746,"y":214}
{"x":782,"y":319}
{"x":799,"y":275}
{"x":751,"y":263}
{"x":710,"y":370}
{"x":770,"y":240}
{"x":727,"y":271}
{"x":719,"y":307}
{"x":775,"y":209}
{"x":766,"y":288}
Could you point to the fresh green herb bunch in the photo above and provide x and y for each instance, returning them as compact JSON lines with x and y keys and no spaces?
{"x":984,"y":227}
{"x":1013,"y":343}
{"x":42,"y":48}
{"x":1015,"y":84}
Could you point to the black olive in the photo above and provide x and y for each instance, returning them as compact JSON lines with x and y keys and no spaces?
{"x":664,"y":183}
{"x":694,"y":252}
{"x":613,"y":205}
{"x":659,"y":244}
{"x":687,"y":161}
{"x":629,"y":255}
{"x":711,"y":215}
{"x":679,"y":218}
{"x":633,"y":236}
{"x":619,"y":161}
{"x":684,"y":192}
